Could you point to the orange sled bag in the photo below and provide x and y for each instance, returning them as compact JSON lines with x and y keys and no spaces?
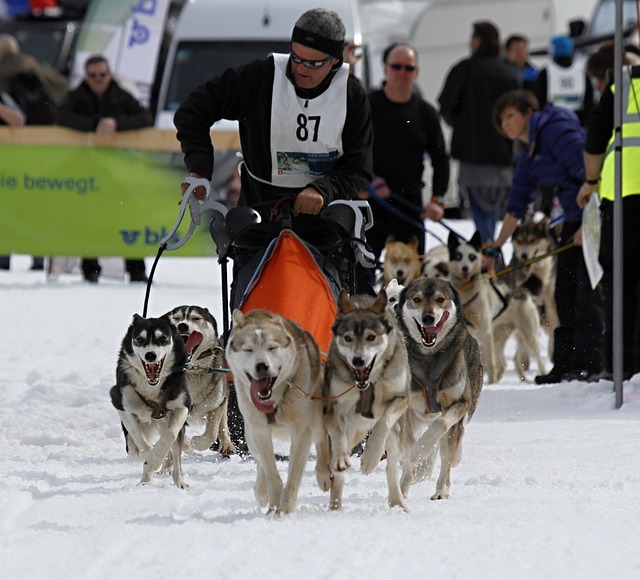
{"x":290,"y":282}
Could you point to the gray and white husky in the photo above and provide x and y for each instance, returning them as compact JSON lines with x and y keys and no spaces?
{"x":276,"y":369}
{"x":206,"y":377}
{"x":446,"y":380}
{"x":151,"y":395}
{"x":366,"y":390}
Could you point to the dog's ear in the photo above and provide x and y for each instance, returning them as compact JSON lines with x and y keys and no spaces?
{"x":543,"y":226}
{"x":476,"y":240}
{"x":414,"y":243}
{"x":453,"y":242}
{"x":344,"y":302}
{"x":389,"y":240}
{"x":137,"y":319}
{"x":516,"y":232}
{"x":393,"y":283}
{"x":380,"y":302}
{"x":238,"y":317}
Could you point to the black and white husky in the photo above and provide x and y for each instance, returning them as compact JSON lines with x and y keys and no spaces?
{"x":151,"y":395}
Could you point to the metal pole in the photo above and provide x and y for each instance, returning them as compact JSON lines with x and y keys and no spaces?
{"x":618,"y":341}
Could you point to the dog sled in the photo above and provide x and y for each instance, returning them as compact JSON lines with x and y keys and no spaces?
{"x":288,"y":275}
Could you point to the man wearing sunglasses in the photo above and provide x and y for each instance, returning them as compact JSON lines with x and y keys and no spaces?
{"x":305,"y":130}
{"x":406,"y":127}
{"x":99,"y":104}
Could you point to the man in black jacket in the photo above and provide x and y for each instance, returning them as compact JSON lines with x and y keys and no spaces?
{"x":406,"y":128}
{"x":471,"y":88}
{"x":305,"y":131}
{"x":100,"y":104}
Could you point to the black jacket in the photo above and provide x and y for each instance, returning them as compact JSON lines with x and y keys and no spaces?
{"x":245,"y":95}
{"x":82,"y":110}
{"x":471,"y":88}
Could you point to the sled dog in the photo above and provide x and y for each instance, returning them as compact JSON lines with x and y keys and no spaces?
{"x":401,"y":261}
{"x":206,"y":377}
{"x":481,"y":302}
{"x":366,"y":389}
{"x":276,"y":368}
{"x":435,"y":263}
{"x":151,"y":395}
{"x":520,"y":319}
{"x":531,"y":239}
{"x":393,"y":290}
{"x":446,"y":380}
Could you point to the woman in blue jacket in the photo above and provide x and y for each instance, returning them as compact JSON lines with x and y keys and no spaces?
{"x":549,"y":145}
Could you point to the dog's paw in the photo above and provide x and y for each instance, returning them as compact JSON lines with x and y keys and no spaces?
{"x":370,"y":459}
{"x":341,"y":463}
{"x":200,"y":443}
{"x":227,"y":448}
{"x":441,"y":494}
{"x":181,"y":484}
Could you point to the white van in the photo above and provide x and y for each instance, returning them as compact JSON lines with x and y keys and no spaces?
{"x":214,"y":35}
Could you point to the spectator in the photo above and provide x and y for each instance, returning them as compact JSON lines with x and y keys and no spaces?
{"x":309,"y":83}
{"x":405,"y":128}
{"x":549,"y":144}
{"x":564,"y":81}
{"x":99,"y":104}
{"x":470,"y":89}
{"x":16,"y":65}
{"x":516,"y":53}
{"x":599,"y":177}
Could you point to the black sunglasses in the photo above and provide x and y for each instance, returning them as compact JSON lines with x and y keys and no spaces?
{"x":309,"y":63}
{"x":407,"y":67}
{"x":97,"y":75}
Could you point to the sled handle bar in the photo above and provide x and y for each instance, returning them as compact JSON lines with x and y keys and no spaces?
{"x":196,"y":209}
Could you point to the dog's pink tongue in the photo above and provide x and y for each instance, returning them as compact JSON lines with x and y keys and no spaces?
{"x":260,"y":393}
{"x":436,"y":328}
{"x":194,"y":340}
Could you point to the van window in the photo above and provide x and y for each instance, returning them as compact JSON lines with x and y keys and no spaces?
{"x":604,"y":17}
{"x":197,"y":62}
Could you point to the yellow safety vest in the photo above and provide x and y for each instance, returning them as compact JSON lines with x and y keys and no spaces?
{"x":630,"y":141}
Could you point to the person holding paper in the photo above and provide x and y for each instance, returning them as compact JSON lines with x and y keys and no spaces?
{"x":599,"y":178}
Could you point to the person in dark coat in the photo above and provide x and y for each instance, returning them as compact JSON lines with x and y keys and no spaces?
{"x":101,"y":105}
{"x":549,"y":145}
{"x":305,"y":131}
{"x":405,"y":128}
{"x":469,"y":92}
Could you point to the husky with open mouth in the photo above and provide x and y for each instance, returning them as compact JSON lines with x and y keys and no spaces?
{"x":366,"y":390}
{"x":276,"y":369}
{"x":206,"y":377}
{"x":151,"y":395}
{"x":446,"y":380}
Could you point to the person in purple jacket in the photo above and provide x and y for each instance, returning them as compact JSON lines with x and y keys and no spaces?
{"x":548,"y":145}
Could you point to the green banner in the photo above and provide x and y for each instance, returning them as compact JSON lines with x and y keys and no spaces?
{"x":92,"y":201}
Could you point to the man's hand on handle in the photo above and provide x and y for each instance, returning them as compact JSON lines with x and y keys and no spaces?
{"x":199,"y":185}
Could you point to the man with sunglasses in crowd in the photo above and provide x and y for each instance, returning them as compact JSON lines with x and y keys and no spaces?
{"x":305,"y":131}
{"x":101,"y":105}
{"x":405,"y":127}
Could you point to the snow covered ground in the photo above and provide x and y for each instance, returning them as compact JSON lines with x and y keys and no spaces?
{"x":548,"y":487}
